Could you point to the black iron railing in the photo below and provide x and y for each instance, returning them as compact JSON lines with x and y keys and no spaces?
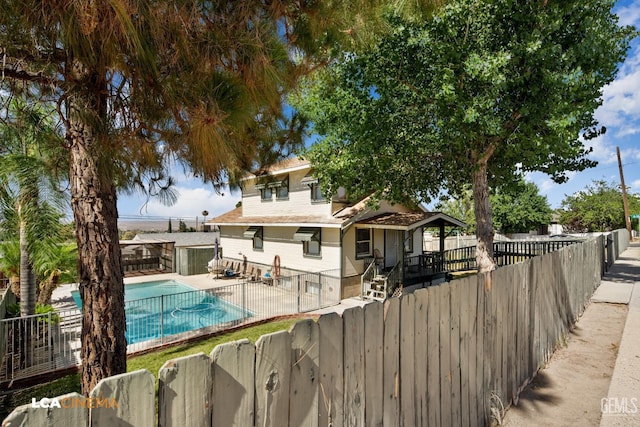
{"x":464,"y":259}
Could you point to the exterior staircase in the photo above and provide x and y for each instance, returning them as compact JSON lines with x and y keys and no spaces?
{"x":378,"y":285}
{"x":376,"y":288}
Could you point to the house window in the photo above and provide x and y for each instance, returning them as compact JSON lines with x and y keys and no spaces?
{"x":266,"y":194}
{"x":311,"y":240}
{"x":312,"y":287}
{"x":256,"y":234}
{"x":408,"y":241}
{"x":282,"y":191}
{"x":316,"y":192}
{"x":363,"y":242}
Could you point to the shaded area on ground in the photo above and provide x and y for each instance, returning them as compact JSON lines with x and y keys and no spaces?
{"x":569,"y":389}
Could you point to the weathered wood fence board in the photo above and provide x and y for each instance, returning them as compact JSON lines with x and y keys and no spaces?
{"x":273,"y":374}
{"x":331,"y":338}
{"x":420,"y":357}
{"x":454,"y":352}
{"x":303,"y":391}
{"x":451,"y":354}
{"x":466,"y":315}
{"x":25,"y":415}
{"x":354,"y":369}
{"x":445,"y":354}
{"x":181,"y":383}
{"x":433,"y":355}
{"x":407,"y":360}
{"x":391,"y":357}
{"x":233,"y":383}
{"x":134,"y":397}
{"x":373,"y":351}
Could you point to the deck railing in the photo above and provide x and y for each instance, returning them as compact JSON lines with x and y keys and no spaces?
{"x":427,"y":266}
{"x":39,"y":343}
{"x":504,"y":253}
{"x":367,"y":277}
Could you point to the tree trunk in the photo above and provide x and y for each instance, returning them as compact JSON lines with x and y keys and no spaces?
{"x":47,"y":287}
{"x":93,"y":201}
{"x":27,"y":276}
{"x":484,"y":224}
{"x":14,"y":282}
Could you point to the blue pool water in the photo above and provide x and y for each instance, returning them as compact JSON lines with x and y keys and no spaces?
{"x":166,"y":307}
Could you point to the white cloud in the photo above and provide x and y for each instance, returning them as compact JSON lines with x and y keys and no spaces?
{"x":621,"y":98}
{"x":547,"y":185}
{"x":192,"y":201}
{"x":629,"y":15}
{"x":603,"y":151}
{"x":628,"y":131}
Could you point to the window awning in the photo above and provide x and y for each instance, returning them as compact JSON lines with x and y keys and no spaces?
{"x":309,"y":180}
{"x":260,"y":186}
{"x":304,"y":234}
{"x":274,"y":184}
{"x":250,"y":232}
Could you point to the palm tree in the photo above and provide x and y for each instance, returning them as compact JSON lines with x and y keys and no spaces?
{"x":58,"y":264}
{"x":28,"y":188}
{"x":10,"y":264}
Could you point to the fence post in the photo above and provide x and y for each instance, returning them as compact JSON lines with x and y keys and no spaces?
{"x":298,"y":292}
{"x":320,"y":290}
{"x":162,"y":318}
{"x":49,"y":342}
{"x":244,"y":300}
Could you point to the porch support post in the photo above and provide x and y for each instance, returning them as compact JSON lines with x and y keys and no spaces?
{"x":442,"y":238}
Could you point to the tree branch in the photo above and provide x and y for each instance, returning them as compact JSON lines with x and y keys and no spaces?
{"x":29,"y":77}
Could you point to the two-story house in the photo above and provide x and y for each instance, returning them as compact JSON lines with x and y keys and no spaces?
{"x":284,"y":219}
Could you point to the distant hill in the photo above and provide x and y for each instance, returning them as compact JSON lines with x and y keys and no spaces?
{"x":158,"y":226}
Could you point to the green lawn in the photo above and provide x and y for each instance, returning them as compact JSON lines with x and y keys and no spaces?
{"x":152,"y":362}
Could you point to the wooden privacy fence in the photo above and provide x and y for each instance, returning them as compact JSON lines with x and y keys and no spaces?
{"x":446,"y":355}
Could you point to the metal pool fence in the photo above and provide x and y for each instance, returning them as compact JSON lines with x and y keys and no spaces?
{"x":33,"y":345}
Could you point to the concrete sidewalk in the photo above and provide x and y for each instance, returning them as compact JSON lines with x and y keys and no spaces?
{"x":594,"y":380}
{"x":621,"y":406}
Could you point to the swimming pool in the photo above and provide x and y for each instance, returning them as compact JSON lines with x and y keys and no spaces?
{"x":166,"y":307}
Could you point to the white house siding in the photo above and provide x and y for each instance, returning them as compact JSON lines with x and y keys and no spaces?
{"x":352,"y":266}
{"x":417,"y":242}
{"x":232,"y":242}
{"x":279,"y":241}
{"x":378,"y":240}
{"x":299,"y":201}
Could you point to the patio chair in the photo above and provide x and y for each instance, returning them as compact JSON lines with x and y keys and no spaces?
{"x":378,"y":259}
{"x":236,"y":269}
{"x":251,"y":275}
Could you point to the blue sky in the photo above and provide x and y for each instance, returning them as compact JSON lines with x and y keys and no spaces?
{"x":620,"y":113}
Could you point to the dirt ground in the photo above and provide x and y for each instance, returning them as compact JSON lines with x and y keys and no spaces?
{"x":569,"y":389}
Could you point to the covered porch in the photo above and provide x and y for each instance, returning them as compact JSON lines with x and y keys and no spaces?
{"x":398,"y":258}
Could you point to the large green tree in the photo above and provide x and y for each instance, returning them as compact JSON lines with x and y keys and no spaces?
{"x":520,"y":209}
{"x":599,"y":207}
{"x":516,"y":209}
{"x":482,"y":93}
{"x":139,"y":83}
{"x":461,"y":207}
